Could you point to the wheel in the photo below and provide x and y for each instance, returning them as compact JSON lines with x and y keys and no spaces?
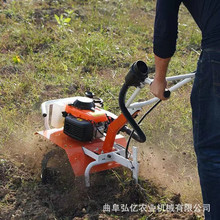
{"x":56,"y":169}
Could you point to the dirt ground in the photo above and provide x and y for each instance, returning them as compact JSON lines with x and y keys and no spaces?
{"x":112,"y":194}
{"x":175,"y":171}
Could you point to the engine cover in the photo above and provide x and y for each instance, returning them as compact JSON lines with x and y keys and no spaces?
{"x":84,"y":124}
{"x":78,"y":129}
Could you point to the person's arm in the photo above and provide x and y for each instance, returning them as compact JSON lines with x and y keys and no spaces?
{"x":165,"y":35}
{"x":159,"y":84}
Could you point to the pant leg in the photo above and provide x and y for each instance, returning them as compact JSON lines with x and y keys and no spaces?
{"x":205,"y":101}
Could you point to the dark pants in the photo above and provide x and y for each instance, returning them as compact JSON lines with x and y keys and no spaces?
{"x":205,"y":101}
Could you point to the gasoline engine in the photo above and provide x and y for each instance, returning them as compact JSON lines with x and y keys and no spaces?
{"x":84,"y":121}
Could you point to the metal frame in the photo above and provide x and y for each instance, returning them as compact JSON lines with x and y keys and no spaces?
{"x":116,"y":156}
{"x":132,"y":107}
{"x":119,"y":155}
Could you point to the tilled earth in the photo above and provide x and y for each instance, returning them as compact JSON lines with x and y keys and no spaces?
{"x":23,"y":196}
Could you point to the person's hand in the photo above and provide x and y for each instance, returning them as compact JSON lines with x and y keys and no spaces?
{"x":158,"y":87}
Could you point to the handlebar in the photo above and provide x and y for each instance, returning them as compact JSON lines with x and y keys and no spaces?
{"x":129,"y":108}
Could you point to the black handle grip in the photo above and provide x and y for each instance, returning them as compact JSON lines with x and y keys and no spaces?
{"x":167,"y":94}
{"x":137,"y":74}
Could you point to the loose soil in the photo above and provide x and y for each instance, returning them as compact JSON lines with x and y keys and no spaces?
{"x":23,"y":196}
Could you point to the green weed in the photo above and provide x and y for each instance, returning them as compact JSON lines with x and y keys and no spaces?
{"x":62,"y":21}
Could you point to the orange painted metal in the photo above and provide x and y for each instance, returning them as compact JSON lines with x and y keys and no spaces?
{"x":95,"y":116}
{"x":113,"y":129}
{"x":78,"y":160}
